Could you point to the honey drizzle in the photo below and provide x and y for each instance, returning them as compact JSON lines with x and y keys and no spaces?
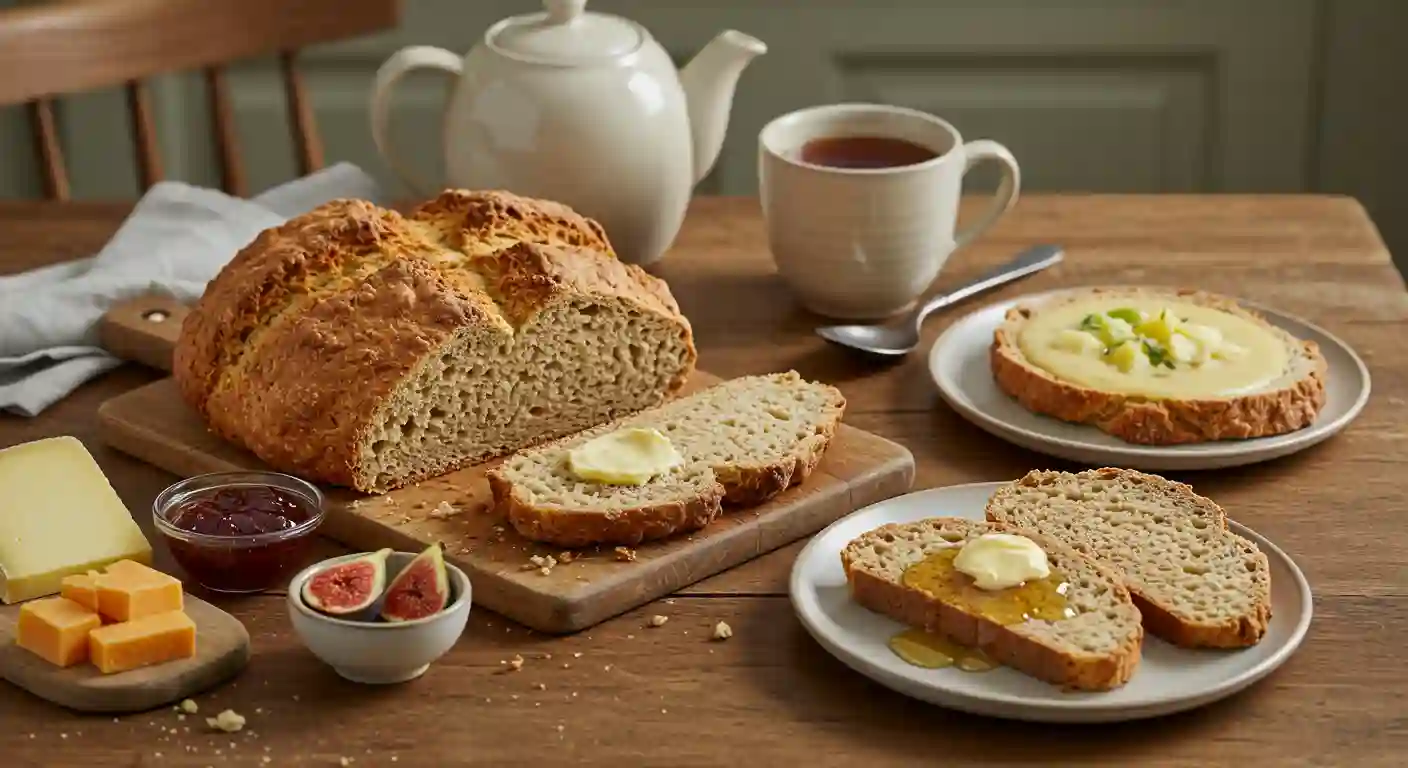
{"x":936,"y":576}
{"x":931,"y":651}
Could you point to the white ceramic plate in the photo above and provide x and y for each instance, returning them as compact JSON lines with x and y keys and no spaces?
{"x":960,"y":367}
{"x":1168,"y":680}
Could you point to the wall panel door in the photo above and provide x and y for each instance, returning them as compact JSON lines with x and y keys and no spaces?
{"x":1109,"y":95}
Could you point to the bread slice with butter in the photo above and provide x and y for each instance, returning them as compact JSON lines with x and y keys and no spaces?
{"x":743,"y":441}
{"x":1227,"y":374}
{"x":1196,"y":583}
{"x":1096,"y":648}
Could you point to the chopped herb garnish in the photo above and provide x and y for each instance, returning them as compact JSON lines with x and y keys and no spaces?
{"x":1157,"y":354}
{"x":1126,"y":314}
{"x":1092,"y":322}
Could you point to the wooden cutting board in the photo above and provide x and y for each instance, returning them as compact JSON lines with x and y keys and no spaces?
{"x":153,"y":424}
{"x":222,"y":650}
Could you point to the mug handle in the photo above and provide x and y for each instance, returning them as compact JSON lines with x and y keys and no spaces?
{"x":1007,"y":191}
{"x":396,"y":67}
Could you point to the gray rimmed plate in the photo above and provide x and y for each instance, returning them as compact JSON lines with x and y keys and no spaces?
{"x":1168,"y":679}
{"x":959,"y":365}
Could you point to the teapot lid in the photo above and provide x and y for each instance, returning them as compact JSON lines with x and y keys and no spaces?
{"x":565,"y":34}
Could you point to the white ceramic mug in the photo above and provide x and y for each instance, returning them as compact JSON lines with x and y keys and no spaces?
{"x":863,"y":243}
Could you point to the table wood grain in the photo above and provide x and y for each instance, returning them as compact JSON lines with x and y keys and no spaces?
{"x":626,"y":694}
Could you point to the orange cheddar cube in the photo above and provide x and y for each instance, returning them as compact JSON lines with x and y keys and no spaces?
{"x":129,"y":591}
{"x":132,"y":567}
{"x":152,"y":640}
{"x":56,"y":629}
{"x":81,"y":588}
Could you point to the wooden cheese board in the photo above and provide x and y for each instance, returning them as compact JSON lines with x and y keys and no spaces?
{"x":153,"y":424}
{"x":222,"y":650}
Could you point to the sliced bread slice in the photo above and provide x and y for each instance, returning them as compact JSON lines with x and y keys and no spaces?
{"x":1289,"y":402}
{"x":1097,"y":649}
{"x":1196,"y":583}
{"x":743,"y":441}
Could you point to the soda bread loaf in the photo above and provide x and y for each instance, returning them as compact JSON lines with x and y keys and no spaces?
{"x":1097,"y":649}
{"x":743,"y":441}
{"x":1290,"y":402}
{"x":360,"y":347}
{"x":1196,"y":583}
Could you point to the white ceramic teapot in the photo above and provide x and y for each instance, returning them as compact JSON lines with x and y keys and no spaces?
{"x":583,"y":108}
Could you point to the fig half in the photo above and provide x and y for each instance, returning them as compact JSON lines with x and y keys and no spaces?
{"x":348,"y":587}
{"x":421,"y":589}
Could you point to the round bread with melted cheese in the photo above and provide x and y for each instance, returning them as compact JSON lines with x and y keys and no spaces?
{"x":1283,"y":400}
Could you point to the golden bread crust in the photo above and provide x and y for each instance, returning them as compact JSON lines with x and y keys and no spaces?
{"x":626,"y":526}
{"x":303,"y":336}
{"x":1134,"y":419}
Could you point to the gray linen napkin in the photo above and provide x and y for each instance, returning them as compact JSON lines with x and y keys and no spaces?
{"x":176,"y":239}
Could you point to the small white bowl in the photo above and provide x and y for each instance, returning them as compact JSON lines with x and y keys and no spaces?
{"x":378,"y":653}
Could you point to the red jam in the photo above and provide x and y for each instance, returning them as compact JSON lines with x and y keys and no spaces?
{"x":240,"y":538}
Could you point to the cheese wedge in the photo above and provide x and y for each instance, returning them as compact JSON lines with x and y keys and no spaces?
{"x":59,"y":516}
{"x":56,"y":629}
{"x":141,"y":643}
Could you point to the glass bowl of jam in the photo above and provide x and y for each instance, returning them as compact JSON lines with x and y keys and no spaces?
{"x":239,"y":532}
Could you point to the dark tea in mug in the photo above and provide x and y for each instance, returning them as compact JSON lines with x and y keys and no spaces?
{"x":864,"y":152}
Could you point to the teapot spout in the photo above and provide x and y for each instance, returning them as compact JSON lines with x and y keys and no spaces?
{"x":709,"y":80}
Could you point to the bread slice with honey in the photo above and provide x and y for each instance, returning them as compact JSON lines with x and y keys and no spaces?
{"x":743,"y":441}
{"x":1096,"y":649}
{"x":1196,"y":583}
{"x":1280,"y":404}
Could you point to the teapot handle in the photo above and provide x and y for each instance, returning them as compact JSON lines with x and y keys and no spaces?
{"x":396,"y":67}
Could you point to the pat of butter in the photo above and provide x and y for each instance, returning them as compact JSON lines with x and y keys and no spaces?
{"x":59,"y":516}
{"x":624,"y":457}
{"x":1001,"y":560}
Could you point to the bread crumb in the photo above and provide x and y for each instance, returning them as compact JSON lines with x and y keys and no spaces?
{"x":541,"y":686}
{"x":576,"y":654}
{"x":515,"y":663}
{"x":547,"y":657}
{"x":722,"y":631}
{"x":658,"y":621}
{"x":566,"y":557}
{"x":544,"y":564}
{"x":345,"y":761}
{"x":189,"y":707}
{"x":625,"y":554}
{"x":444,"y":510}
{"x":228,"y":721}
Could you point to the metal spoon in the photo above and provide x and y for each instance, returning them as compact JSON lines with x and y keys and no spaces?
{"x":900,"y":336}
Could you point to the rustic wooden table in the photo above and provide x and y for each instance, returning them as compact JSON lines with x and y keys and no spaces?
{"x":623,"y":694}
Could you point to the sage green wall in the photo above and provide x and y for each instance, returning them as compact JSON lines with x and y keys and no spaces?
{"x":1093,"y":95}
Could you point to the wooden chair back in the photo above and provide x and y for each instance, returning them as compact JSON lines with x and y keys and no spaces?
{"x":62,"y":46}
